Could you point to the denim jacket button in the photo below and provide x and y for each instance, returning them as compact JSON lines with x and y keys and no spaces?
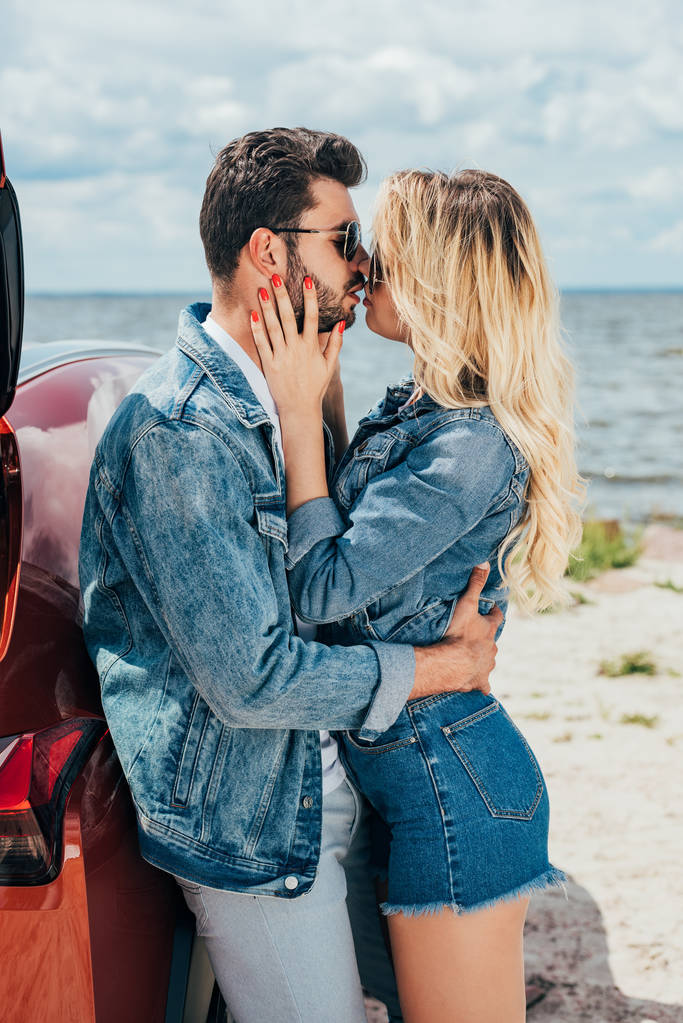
{"x":291,"y":883}
{"x":307,"y":802}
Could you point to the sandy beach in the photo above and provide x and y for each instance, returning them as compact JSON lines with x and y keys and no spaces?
{"x":610,"y":747}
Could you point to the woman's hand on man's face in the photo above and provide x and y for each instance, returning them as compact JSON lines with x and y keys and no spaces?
{"x":297,"y":366}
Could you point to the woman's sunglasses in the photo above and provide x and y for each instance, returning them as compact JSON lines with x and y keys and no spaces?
{"x":375,"y":272}
{"x":351,"y":235}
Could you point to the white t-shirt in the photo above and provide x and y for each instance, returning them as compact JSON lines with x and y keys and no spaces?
{"x":333,"y":771}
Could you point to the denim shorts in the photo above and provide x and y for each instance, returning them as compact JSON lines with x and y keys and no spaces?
{"x":463,"y":801}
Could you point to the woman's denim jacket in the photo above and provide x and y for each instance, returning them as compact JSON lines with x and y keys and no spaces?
{"x":214,"y":705}
{"x":422,"y":495}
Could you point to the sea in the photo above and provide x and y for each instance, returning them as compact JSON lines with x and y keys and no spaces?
{"x":627,"y":348}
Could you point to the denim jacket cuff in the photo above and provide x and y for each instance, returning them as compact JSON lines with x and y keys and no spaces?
{"x":313,"y":521}
{"x":397,"y":677}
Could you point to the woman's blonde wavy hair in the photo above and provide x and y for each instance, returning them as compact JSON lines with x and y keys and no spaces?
{"x":463,"y":262}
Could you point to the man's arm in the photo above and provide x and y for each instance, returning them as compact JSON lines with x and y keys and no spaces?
{"x":187,"y":533}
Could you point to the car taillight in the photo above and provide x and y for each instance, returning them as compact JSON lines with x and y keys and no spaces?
{"x":37,"y":771}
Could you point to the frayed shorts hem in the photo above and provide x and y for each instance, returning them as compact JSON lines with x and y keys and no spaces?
{"x":552,"y":878}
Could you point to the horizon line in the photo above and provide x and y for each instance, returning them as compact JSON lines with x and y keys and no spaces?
{"x":157,"y":293}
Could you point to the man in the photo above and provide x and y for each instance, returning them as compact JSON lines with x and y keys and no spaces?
{"x":219,"y":712}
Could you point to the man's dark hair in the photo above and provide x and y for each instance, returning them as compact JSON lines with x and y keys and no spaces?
{"x":264,"y":180}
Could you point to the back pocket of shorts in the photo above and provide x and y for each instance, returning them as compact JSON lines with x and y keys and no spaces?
{"x":497,"y":758}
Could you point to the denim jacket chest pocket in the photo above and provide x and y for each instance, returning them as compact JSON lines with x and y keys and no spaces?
{"x":372,"y":456}
{"x":271,"y":522}
{"x":266,"y":482}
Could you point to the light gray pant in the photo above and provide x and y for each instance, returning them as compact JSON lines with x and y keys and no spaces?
{"x":302,"y":960}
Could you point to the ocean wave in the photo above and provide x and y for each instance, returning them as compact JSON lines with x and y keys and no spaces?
{"x":606,"y":476}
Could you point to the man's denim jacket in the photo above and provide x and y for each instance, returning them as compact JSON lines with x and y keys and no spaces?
{"x":214,"y":705}
{"x":423,"y":494}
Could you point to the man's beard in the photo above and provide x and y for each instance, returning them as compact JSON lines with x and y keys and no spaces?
{"x":330,"y":309}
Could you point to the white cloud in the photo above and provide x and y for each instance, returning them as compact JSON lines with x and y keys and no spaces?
{"x":606,"y":106}
{"x":111,"y":232}
{"x":105,"y":207}
{"x":110,"y":116}
{"x":211,"y":108}
{"x":661,"y":184}
{"x":658,"y":87}
{"x":669,"y":241}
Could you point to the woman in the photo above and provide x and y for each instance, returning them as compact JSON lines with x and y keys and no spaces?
{"x":471,"y":460}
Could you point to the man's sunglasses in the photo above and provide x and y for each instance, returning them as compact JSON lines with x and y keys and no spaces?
{"x":351,"y":235}
{"x":375,"y":272}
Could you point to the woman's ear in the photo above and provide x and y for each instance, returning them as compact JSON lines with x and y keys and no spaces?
{"x":267,"y":252}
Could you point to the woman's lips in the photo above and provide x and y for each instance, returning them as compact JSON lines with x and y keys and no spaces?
{"x":367,"y":302}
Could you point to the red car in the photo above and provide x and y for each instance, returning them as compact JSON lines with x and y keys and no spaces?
{"x":88,"y":930}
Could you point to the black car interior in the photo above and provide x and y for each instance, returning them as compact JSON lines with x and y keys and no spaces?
{"x":11,"y":288}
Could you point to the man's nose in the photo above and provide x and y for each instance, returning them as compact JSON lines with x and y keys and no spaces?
{"x":361,"y":259}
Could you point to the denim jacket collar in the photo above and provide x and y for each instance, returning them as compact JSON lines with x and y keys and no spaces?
{"x":217,"y":364}
{"x":396,"y":396}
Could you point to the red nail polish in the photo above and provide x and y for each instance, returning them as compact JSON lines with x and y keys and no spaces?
{"x":254,"y":316}
{"x":263,"y":294}
{"x":342,"y":324}
{"x":277,"y":280}
{"x":308,"y":283}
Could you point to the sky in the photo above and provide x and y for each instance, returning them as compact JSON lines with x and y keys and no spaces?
{"x":111,"y":116}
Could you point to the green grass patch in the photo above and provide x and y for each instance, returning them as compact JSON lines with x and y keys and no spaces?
{"x":638,"y":663}
{"x":604,"y":545}
{"x":647,"y":721}
{"x":596,"y":735}
{"x":537,"y":715}
{"x":669,"y":584}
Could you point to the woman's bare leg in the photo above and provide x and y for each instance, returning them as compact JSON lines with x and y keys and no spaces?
{"x":466,"y":968}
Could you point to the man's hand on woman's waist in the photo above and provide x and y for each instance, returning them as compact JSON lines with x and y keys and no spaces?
{"x":466,"y":656}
